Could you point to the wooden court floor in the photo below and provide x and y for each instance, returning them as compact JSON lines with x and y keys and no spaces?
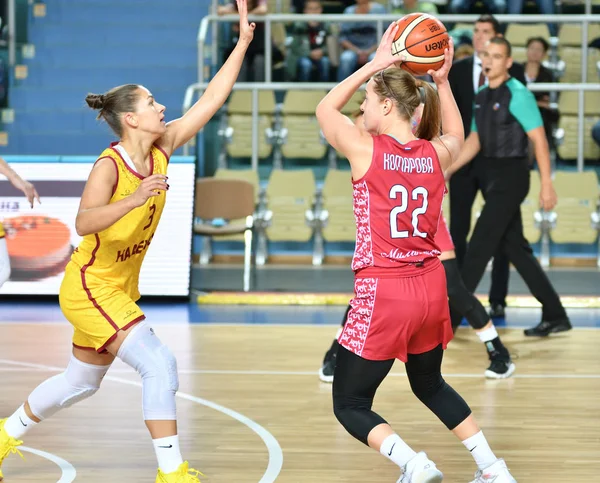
{"x":545,"y":421}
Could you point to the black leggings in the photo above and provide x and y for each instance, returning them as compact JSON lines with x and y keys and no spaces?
{"x":356,"y":380}
{"x":462,"y":302}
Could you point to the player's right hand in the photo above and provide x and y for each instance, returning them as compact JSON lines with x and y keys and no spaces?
{"x":441,"y":75}
{"x":151,"y":186}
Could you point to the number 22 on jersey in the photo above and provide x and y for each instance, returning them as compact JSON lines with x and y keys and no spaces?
{"x":418,"y":195}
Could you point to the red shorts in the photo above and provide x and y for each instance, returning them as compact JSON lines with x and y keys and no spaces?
{"x":400,"y":315}
{"x":443,"y":239}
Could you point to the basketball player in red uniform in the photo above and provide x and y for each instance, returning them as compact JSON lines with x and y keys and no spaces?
{"x":460,"y":299}
{"x":400,"y":307}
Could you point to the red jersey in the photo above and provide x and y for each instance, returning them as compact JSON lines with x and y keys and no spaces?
{"x":398,"y":204}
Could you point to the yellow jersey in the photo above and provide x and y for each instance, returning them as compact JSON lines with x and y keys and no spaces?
{"x":2,"y":232}
{"x":114,"y":256}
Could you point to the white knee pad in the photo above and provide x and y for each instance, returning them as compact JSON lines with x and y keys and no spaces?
{"x":155,"y":362}
{"x":4,"y":262}
{"x":77,"y":383}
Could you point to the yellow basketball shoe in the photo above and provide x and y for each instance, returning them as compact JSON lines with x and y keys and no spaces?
{"x":183,"y":474}
{"x":8,"y":444}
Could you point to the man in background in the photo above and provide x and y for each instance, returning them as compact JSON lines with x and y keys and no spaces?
{"x":505,"y":119}
{"x":466,"y":77}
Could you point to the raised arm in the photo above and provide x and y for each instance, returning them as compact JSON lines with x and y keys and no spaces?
{"x":181,"y":130}
{"x":337,"y":128}
{"x":25,"y":186}
{"x":448,"y":146}
{"x":96,"y":213}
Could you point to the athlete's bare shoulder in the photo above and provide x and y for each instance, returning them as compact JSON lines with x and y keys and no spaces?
{"x":447,"y":149}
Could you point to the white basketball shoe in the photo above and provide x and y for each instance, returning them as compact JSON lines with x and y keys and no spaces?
{"x":496,"y":473}
{"x":420,"y":469}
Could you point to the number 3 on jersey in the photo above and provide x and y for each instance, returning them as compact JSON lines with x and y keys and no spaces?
{"x":399,"y":190}
{"x":152,"y":209}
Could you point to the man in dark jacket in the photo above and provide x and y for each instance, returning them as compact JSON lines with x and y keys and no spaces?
{"x":466,"y":76}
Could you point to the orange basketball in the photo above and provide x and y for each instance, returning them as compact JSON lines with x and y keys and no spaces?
{"x":421,"y":38}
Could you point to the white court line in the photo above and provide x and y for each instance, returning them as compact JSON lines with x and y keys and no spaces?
{"x":198,"y":325}
{"x":275,"y":453}
{"x":67,"y":469}
{"x":393,"y":374}
{"x":28,"y":367}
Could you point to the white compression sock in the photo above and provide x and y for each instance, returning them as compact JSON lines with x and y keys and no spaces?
{"x":395,"y":449}
{"x":480,"y":450}
{"x":19,"y":423}
{"x":168,"y":453}
{"x":487,"y":334}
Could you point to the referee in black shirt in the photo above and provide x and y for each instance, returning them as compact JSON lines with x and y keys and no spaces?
{"x":505,"y":115}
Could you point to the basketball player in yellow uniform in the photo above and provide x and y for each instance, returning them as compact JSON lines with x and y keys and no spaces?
{"x":120,"y":209}
{"x":29,"y":191}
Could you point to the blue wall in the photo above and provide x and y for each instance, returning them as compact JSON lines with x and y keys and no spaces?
{"x":92,"y":46}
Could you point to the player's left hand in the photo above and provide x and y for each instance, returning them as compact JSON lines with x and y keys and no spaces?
{"x":548,"y":197}
{"x":246,"y":29}
{"x":440,"y":76}
{"x":383,"y":56}
{"x":28,"y":190}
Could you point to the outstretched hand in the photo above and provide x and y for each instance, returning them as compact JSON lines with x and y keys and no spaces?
{"x":383,"y":56}
{"x":246,"y":29}
{"x":440,"y":76}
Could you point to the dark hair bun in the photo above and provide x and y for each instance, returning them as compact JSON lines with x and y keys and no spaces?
{"x":95,"y":101}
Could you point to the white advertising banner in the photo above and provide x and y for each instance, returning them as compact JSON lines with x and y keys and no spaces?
{"x":40,"y":240}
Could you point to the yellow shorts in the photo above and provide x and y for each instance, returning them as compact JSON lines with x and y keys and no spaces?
{"x":96,"y":309}
{"x":2,"y":232}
